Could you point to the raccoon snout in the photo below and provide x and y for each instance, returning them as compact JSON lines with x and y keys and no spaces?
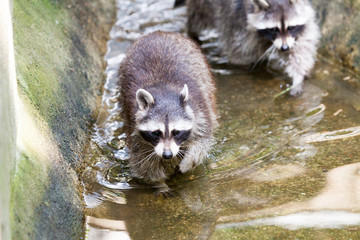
{"x":167,"y":154}
{"x":284,"y":47}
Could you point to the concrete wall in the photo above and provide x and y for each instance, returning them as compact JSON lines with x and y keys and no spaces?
{"x":340,"y":21}
{"x":58,"y":48}
{"x":7,"y":115}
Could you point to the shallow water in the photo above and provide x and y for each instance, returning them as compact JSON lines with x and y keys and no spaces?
{"x":279,"y":163}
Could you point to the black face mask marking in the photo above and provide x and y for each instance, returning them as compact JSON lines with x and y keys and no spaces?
{"x":269,"y":33}
{"x":273,"y":33}
{"x":151,"y":137}
{"x":295,"y":30}
{"x":180,"y":136}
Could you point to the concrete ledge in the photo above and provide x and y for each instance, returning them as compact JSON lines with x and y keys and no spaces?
{"x":59,"y":48}
{"x":7,"y":115}
{"x":340,"y":21}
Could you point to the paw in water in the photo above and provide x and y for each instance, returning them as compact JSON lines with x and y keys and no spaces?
{"x":296,"y":91}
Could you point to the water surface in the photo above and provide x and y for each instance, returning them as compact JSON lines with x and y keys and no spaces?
{"x":281,"y":167}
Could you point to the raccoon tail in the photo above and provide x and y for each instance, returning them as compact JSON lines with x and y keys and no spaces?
{"x":179,"y":3}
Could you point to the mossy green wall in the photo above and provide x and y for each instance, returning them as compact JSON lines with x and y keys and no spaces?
{"x":7,"y":116}
{"x":59,"y":49}
{"x":340,"y":21}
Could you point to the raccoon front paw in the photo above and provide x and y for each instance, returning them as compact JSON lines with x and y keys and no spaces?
{"x":296,"y":91}
{"x":165,"y":193}
{"x":163,"y":190}
{"x":185,"y":166}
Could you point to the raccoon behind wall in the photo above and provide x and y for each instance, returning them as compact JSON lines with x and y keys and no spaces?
{"x":284,"y":32}
{"x":167,"y":94}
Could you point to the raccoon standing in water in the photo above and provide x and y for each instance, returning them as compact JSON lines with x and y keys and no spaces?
{"x":167,"y":94}
{"x":282,"y":31}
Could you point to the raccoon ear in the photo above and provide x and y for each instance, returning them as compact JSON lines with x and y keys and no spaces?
{"x":184,"y":94}
{"x":262,"y":4}
{"x":144,"y":99}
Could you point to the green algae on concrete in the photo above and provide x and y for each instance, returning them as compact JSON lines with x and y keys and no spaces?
{"x":59,"y":47}
{"x":7,"y":115}
{"x":21,"y":200}
{"x":59,"y":66}
{"x":339,"y":21}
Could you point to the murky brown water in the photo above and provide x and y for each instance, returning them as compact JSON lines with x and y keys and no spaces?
{"x":282,"y":168}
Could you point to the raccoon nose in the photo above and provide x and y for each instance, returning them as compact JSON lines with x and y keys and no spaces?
{"x":167,"y":154}
{"x":284,"y":47}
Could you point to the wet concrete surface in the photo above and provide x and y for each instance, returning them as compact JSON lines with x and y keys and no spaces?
{"x":282,"y":167}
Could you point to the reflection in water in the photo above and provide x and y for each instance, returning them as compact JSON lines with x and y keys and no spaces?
{"x":273,"y":155}
{"x":334,"y":135}
{"x":276,"y":172}
{"x":320,"y":219}
{"x":340,"y":193}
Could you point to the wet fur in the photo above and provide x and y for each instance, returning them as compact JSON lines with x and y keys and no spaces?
{"x":245,"y":46}
{"x":161,"y":63}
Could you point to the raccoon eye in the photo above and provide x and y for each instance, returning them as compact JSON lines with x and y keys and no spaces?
{"x":156,"y":133}
{"x":290,"y":28}
{"x":150,"y":137}
{"x":269,"y":33}
{"x":295,"y":30}
{"x":175,"y":133}
{"x":181,"y":136}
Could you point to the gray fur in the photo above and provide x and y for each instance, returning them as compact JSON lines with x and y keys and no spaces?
{"x":237,"y":22}
{"x":172,"y":69}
